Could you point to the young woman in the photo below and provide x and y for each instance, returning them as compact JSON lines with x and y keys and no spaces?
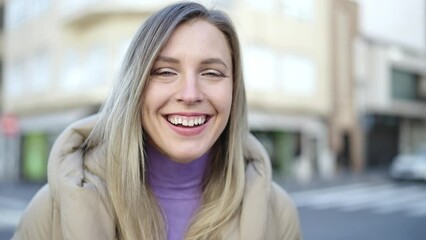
{"x":169,"y":156}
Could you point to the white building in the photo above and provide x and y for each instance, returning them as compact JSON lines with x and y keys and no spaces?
{"x":61,"y":57}
{"x":391,"y":77}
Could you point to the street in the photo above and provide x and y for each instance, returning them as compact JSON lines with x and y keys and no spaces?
{"x":333,"y":224}
{"x":377,"y":208}
{"x":344,"y":208}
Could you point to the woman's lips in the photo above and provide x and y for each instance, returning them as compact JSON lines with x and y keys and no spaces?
{"x":187,"y":121}
{"x":188,"y":124}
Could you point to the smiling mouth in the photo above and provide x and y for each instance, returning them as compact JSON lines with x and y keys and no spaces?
{"x":187,"y":121}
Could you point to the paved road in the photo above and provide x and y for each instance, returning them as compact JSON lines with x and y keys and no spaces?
{"x":368,"y":209}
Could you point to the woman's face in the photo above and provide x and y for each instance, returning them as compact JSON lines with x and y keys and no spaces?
{"x":189,"y":94}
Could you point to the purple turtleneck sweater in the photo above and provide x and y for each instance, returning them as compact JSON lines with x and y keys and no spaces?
{"x":177,"y":187}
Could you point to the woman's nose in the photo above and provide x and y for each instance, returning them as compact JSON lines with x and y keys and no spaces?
{"x":190,"y":91}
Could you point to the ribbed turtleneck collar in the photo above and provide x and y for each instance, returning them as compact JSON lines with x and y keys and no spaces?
{"x":173,"y":180}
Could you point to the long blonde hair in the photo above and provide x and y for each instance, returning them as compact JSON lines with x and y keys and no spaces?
{"x":119,"y":131}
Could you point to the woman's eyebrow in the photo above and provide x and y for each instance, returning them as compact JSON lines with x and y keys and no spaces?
{"x":214,"y":61}
{"x":167,"y":59}
{"x":203,"y":62}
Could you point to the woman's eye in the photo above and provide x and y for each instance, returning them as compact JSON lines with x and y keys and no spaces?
{"x":163,"y":72}
{"x":213,"y":74}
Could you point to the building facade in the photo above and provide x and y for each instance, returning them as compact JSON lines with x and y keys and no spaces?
{"x":298,"y":60}
{"x":391,"y":79}
{"x":61,"y":58}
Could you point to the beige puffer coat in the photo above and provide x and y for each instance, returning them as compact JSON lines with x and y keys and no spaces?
{"x":74,"y":203}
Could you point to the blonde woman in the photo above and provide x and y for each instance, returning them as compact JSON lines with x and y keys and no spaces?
{"x":169,"y":156}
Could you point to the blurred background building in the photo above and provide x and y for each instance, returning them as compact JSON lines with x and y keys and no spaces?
{"x":296,"y":56}
{"x":332,"y":85}
{"x":391,"y":78}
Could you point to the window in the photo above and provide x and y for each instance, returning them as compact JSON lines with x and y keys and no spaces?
{"x":72,"y":71}
{"x":299,"y":9}
{"x":96,"y":66}
{"x":86,"y":70}
{"x":265,"y":5}
{"x":20,"y":11}
{"x":146,"y":1}
{"x":73,"y":5}
{"x":15,"y":13}
{"x":14,"y":78}
{"x":39,"y":6}
{"x":405,"y":85}
{"x":260,"y":66}
{"x":120,"y":54}
{"x":224,"y":3}
{"x":39,"y":71}
{"x":298,"y":75}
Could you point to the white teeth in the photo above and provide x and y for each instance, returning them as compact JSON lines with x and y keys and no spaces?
{"x":187,"y":121}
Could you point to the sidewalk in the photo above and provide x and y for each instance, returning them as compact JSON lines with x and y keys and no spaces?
{"x":342,"y":178}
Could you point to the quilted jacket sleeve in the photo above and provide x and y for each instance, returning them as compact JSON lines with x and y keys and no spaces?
{"x":36,"y":223}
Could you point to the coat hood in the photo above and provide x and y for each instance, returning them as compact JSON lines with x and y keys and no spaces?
{"x":77,"y":186}
{"x":67,"y":166}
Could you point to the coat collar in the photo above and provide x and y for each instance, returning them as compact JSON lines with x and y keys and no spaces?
{"x":77,"y":185}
